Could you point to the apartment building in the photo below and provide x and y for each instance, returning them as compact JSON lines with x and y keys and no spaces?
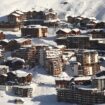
{"x":35,"y":31}
{"x":89,"y":62}
{"x":53,"y":61}
{"x":26,"y":53}
{"x":89,"y":94}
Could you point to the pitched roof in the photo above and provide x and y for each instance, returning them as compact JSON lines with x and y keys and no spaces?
{"x":66,"y":30}
{"x":20,"y":73}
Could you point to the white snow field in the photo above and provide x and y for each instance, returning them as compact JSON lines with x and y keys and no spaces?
{"x":89,"y":8}
{"x":44,"y":91}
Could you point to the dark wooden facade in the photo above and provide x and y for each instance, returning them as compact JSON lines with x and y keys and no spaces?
{"x":80,"y":96}
{"x":10,"y":45}
{"x":34,"y":31}
{"x":81,"y":42}
{"x":100,"y":25}
{"x":14,"y":79}
{"x":16,"y":17}
{"x":28,"y":54}
{"x":23,"y":42}
{"x":62,"y":83}
{"x":70,"y":19}
{"x":90,"y":94}
{"x":98,"y":33}
{"x":50,"y":14}
{"x":40,"y":15}
{"x":9,"y":27}
{"x":61,"y":33}
{"x":67,"y":32}
{"x":54,"y":66}
{"x":23,"y":91}
{"x":2,"y":35}
{"x":75,"y":31}
{"x":62,"y":41}
{"x":3,"y":79}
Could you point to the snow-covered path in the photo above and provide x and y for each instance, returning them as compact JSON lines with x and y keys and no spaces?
{"x":45,"y":93}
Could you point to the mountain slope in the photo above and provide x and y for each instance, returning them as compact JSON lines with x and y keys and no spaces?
{"x":81,"y":7}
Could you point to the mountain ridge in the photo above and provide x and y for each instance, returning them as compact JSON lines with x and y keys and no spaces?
{"x":91,"y":8}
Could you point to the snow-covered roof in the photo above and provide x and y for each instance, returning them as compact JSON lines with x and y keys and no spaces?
{"x":19,"y":12}
{"x":10,"y":58}
{"x":21,"y":40}
{"x":27,"y":46}
{"x":53,"y":53}
{"x":51,"y":20}
{"x":83,"y":16}
{"x":101,"y":41}
{"x":49,"y":11}
{"x":23,"y":87}
{"x":76,"y":29}
{"x":5,"y":75}
{"x":102,"y":77}
{"x":99,"y":75}
{"x":5,"y":40}
{"x":86,"y":88}
{"x":81,"y":52}
{"x":79,"y":36}
{"x":82,"y":78}
{"x":62,"y":38}
{"x":63,"y":76}
{"x":75,"y":62}
{"x":34,"y":26}
{"x":96,"y":21}
{"x":69,"y":15}
{"x":20,"y":73}
{"x":61,"y":46}
{"x":90,"y":24}
{"x":79,"y":18}
{"x":73,"y":58}
{"x":67,"y":54}
{"x":43,"y":42}
{"x":15,"y":14}
{"x":3,"y":66}
{"x":66,"y":30}
{"x":90,"y":51}
{"x":92,"y":18}
{"x":15,"y":59}
{"x":97,"y":30}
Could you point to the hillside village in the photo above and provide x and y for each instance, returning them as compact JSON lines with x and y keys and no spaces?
{"x":46,"y":60}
